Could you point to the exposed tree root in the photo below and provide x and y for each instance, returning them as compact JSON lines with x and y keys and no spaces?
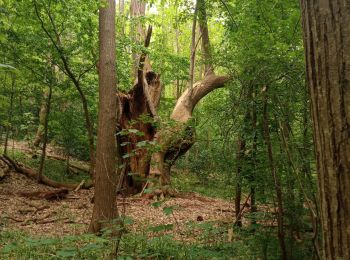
{"x":44,"y":180}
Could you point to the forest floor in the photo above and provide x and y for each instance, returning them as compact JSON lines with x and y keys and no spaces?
{"x":193,"y":225}
{"x":72,"y":214}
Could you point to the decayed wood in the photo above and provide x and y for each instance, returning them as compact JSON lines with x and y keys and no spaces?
{"x":32,"y":174}
{"x":142,"y":100}
{"x":4,"y":170}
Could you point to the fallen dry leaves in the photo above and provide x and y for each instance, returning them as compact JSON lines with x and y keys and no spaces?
{"x":71,"y":216}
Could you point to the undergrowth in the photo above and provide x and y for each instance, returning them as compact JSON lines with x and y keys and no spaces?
{"x":140,"y":245}
{"x":190,"y":182}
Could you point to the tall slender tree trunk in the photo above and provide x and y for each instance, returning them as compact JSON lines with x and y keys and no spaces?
{"x":42,"y":119}
{"x":177,"y":49}
{"x":193,"y":48}
{"x":138,"y":34}
{"x":239,"y":158}
{"x":44,"y":137}
{"x":275,"y":176}
{"x":326,"y":26}
{"x":105,"y":208}
{"x":203,"y":27}
{"x":10,"y":113}
{"x":253,"y":207}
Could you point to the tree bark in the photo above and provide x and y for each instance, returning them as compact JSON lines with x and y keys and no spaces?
{"x":42,"y":119}
{"x":189,"y":99}
{"x":193,"y":47}
{"x":179,"y":138}
{"x":137,"y":10}
{"x":239,"y":158}
{"x":105,"y":208}
{"x":46,"y":126}
{"x":174,"y":141}
{"x":203,"y":27}
{"x":10,"y":113}
{"x":327,"y":40}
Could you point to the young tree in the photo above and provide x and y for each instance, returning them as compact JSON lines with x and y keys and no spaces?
{"x":105,"y":208}
{"x":327,"y":49}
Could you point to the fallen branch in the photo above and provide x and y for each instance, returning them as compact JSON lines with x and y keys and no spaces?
{"x":72,"y":164}
{"x":45,"y":180}
{"x":37,"y":208}
{"x":48,"y":195}
{"x":51,"y":220}
{"x":81,"y":184}
{"x":14,"y":219}
{"x":39,"y":220}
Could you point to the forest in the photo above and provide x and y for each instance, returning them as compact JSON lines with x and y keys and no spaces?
{"x":175,"y":129}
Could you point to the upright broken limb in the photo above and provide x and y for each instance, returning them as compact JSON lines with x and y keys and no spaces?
{"x":172,"y":141}
{"x":135,"y":106}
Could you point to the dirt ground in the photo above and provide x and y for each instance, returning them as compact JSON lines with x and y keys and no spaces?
{"x":71,"y":216}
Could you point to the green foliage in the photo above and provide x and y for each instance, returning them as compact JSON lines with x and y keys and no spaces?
{"x":54,"y":169}
{"x":257,"y":43}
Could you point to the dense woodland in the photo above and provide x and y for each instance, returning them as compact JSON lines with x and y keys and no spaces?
{"x":175,"y":129}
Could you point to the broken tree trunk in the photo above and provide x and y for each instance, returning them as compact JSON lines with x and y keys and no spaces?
{"x":137,"y":112}
{"x":136,"y":125}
